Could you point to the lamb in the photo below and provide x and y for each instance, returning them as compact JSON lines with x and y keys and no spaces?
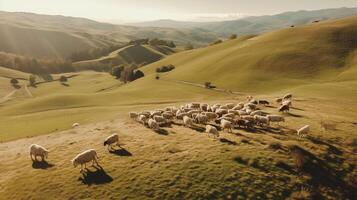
{"x":225,"y":124}
{"x":302,"y":132}
{"x":153,"y":124}
{"x":133,"y":115}
{"x":212,"y":130}
{"x":75,"y":125}
{"x":85,"y":157}
{"x":187,"y":121}
{"x":276,"y":118}
{"x":37,"y":150}
{"x":111,"y":140}
{"x":284,"y":108}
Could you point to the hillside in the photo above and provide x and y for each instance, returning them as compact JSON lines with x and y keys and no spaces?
{"x":273,"y":61}
{"x":257,"y":24}
{"x":131,"y":54}
{"x":59,"y":36}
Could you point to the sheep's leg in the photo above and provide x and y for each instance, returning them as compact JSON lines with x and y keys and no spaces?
{"x":42,"y":158}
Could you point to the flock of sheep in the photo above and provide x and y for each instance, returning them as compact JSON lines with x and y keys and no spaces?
{"x":246,"y":115}
{"x":82,"y":158}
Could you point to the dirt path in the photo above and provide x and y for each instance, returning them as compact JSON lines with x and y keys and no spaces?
{"x":28,"y":91}
{"x":7,"y":97}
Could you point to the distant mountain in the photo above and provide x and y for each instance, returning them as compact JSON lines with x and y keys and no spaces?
{"x":57,"y":37}
{"x":259,"y":24}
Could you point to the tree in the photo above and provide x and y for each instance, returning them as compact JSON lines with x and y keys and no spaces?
{"x":208,"y":84}
{"x":32,"y":80}
{"x":233,"y":36}
{"x":14,"y":81}
{"x":217,"y":42}
{"x":63,"y":79}
{"x":128,"y":74}
{"x":117,"y":71}
{"x":138,"y":74}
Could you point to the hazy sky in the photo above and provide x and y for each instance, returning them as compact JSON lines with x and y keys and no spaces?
{"x":144,"y":10}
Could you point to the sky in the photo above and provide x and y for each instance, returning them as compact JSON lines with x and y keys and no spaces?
{"x":125,"y":11}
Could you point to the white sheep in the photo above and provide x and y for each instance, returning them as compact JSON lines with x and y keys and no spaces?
{"x":111,"y":140}
{"x":238,"y":107}
{"x":276,"y":118}
{"x":221,"y":112}
{"x":212,"y":130}
{"x":181,"y":115}
{"x":225,"y":124}
{"x":153,"y":124}
{"x":86,"y":157}
{"x":74,"y":125}
{"x":230,"y":115}
{"x":201,"y":119}
{"x":204,"y":106}
{"x":168,"y":115}
{"x":230,"y":105}
{"x":142,"y":119}
{"x":302,"y":132}
{"x":211,"y":115}
{"x":287,"y":102}
{"x":261,"y":120}
{"x":257,"y":112}
{"x":159,"y":119}
{"x":187,"y":121}
{"x":37,"y":150}
{"x":288,"y":96}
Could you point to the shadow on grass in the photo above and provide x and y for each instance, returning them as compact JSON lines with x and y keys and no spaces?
{"x":229,"y":142}
{"x":161,"y":131}
{"x":41,"y":165}
{"x":121,"y":152}
{"x":65,"y":84}
{"x":294,"y":115}
{"x":97,"y":177}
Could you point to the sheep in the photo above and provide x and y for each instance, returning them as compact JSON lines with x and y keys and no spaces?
{"x":215,"y":107}
{"x":284,"y":108}
{"x":142,"y":119}
{"x":249,"y":98}
{"x":221,"y":112}
{"x":263,"y":102}
{"x":153,"y":124}
{"x":181,"y":115}
{"x":242,"y":112}
{"x":237,"y":107}
{"x":201,"y":119}
{"x":288,"y":96}
{"x":257,"y":112}
{"x":113,"y":139}
{"x":155,"y":113}
{"x":230,"y":105}
{"x":145,"y":113}
{"x":210,"y":115}
{"x":225,"y":124}
{"x":250,"y":105}
{"x":85,"y":157}
{"x":261,"y":120}
{"x":204,"y":106}
{"x":187,"y":121}
{"x":37,"y":150}
{"x":133,"y":115}
{"x":224,"y":107}
{"x":302,"y":132}
{"x":235,"y":112}
{"x":192,"y":112}
{"x":194,"y":105}
{"x":276,"y":118}
{"x":253,"y":101}
{"x":168,"y":115}
{"x":248,"y":118}
{"x":75,"y":125}
{"x":212,"y":130}
{"x":230,"y":115}
{"x":159,"y":119}
{"x":287,"y":102}
{"x":279,"y":100}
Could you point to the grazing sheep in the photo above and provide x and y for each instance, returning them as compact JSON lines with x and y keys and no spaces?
{"x":190,"y":113}
{"x":111,"y":140}
{"x":75,"y":125}
{"x":155,"y":113}
{"x":230,"y":115}
{"x":201,"y":119}
{"x":168,"y":115}
{"x":133,"y":115}
{"x":276,"y":118}
{"x":181,"y":115}
{"x":145,"y":113}
{"x":153,"y":124}
{"x":211,"y":115}
{"x":212,"y":130}
{"x":288,"y":96}
{"x":204,"y":106}
{"x":249,"y":98}
{"x":248,"y":118}
{"x":86,"y":157}
{"x":263,"y":102}
{"x":279,"y":100}
{"x":242,"y":112}
{"x":194,"y":105}
{"x":37,"y":150}
{"x":250,"y":106}
{"x":215,"y":107}
{"x":238,"y":107}
{"x":159,"y":119}
{"x":302,"y":132}
{"x":221,"y":112}
{"x":187,"y":121}
{"x":230,"y":105}
{"x":253,"y":101}
{"x":257,"y":112}
{"x":261,"y":120}
{"x":235,"y":112}
{"x":287,"y":102}
{"x":142,"y":119}
{"x":225,"y":124}
{"x":224,"y":107}
{"x":284,"y":108}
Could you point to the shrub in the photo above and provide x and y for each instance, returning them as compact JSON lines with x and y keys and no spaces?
{"x":116,"y":71}
{"x":32,"y":80}
{"x":216,"y":42}
{"x":233,"y":36}
{"x":63,"y":79}
{"x":138,"y":74}
{"x":14,"y":81}
{"x":164,"y":69}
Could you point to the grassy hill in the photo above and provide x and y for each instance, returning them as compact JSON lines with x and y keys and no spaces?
{"x":60,"y":36}
{"x":131,"y":54}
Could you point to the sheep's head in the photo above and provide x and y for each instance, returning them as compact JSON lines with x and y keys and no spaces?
{"x":75,"y":163}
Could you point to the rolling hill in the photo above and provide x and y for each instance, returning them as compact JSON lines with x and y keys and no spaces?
{"x":131,"y":54}
{"x":257,"y":24}
{"x":57,"y":37}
